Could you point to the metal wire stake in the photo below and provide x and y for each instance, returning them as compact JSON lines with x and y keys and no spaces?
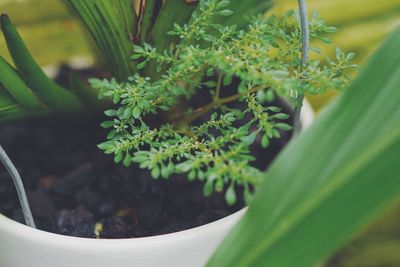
{"x":305,"y":32}
{"x":19,"y":187}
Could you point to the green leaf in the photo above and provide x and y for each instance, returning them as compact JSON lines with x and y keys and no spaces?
{"x":150,"y":13}
{"x":6,"y":100}
{"x":155,"y":172}
{"x":280,"y":116}
{"x":283,"y":126}
{"x":331,"y":180}
{"x":87,"y":94}
{"x":127,"y":160}
{"x":18,"y":113}
{"x":112,"y":25}
{"x":8,"y":105}
{"x":118,"y":157}
{"x":173,"y":12}
{"x":164,"y":172}
{"x":208,"y":188}
{"x":107,"y":124}
{"x":265,"y":141}
{"x":330,"y":29}
{"x":244,"y":9}
{"x":11,"y":110}
{"x":16,"y":87}
{"x":53,"y":95}
{"x":248,"y":140}
{"x":230,"y":196}
{"x":225,"y":12}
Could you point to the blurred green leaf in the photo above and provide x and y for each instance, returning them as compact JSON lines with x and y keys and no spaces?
{"x":53,"y":95}
{"x":7,"y":102}
{"x":10,"y":109}
{"x":16,"y":87}
{"x":243,"y":10}
{"x":331,"y":180}
{"x":87,"y":94}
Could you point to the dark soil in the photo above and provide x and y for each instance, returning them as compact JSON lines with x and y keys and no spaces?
{"x":75,"y":189}
{"x":72,"y":185}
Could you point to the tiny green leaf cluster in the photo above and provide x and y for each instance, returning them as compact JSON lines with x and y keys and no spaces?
{"x":212,"y":143}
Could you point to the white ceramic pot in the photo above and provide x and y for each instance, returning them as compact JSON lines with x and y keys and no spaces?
{"x":21,"y":246}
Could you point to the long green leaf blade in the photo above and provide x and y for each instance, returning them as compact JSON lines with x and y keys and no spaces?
{"x":150,"y":13}
{"x":18,"y":113}
{"x":113,"y":26}
{"x":7,"y":102}
{"x":331,"y":180}
{"x":53,"y":95}
{"x":15,"y":86}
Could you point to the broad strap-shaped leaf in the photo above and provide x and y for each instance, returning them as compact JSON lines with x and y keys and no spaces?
{"x":113,"y":26}
{"x":10,"y":109}
{"x":331,"y":180}
{"x":7,"y":102}
{"x":54,"y":96}
{"x":11,"y":82}
{"x":149,"y":15}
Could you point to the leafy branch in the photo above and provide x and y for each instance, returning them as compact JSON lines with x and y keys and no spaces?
{"x":211,"y":143}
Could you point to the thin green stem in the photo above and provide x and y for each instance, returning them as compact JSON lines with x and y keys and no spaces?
{"x":19,"y":187}
{"x":222,"y":101}
{"x":219,"y":85}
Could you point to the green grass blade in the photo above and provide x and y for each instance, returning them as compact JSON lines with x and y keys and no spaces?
{"x":15,"y":86}
{"x":331,"y":180}
{"x":113,"y":26}
{"x":53,"y":95}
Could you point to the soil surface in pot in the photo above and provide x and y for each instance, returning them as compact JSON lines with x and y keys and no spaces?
{"x":75,"y":189}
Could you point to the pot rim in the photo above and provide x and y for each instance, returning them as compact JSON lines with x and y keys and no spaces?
{"x":28,"y":233}
{"x":25,"y":232}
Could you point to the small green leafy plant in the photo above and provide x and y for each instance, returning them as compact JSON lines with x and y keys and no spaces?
{"x":227,"y":64}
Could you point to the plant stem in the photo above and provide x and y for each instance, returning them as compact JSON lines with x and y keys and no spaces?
{"x":305,"y":32}
{"x":19,"y":187}
{"x":219,"y":84}
{"x":221,"y":101}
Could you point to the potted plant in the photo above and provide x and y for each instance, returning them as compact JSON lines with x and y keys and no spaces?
{"x":201,"y":94}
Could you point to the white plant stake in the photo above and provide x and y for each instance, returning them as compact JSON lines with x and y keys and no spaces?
{"x":305,"y":31}
{"x":19,"y":187}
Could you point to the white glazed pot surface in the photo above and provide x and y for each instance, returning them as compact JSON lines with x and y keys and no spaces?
{"x":21,"y":246}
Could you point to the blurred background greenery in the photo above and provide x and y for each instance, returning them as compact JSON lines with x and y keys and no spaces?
{"x":54,"y":37}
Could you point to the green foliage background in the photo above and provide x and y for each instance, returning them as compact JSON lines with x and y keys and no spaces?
{"x":54,"y":37}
